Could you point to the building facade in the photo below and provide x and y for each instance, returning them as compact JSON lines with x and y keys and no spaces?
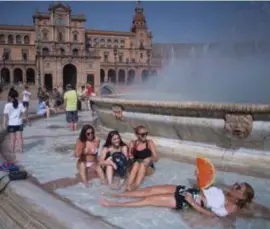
{"x":58,"y":49}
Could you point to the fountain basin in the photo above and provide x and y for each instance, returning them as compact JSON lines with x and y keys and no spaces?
{"x":239,"y":132}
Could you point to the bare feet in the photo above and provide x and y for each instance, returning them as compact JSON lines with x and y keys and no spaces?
{"x":131,"y":187}
{"x":104,"y":203}
{"x":104,"y":182}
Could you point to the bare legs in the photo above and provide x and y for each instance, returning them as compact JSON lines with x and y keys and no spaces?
{"x":137,"y":174}
{"x":158,"y":196}
{"x":164,"y":200}
{"x":107,"y":177}
{"x":149,"y":191}
{"x":16,"y":137}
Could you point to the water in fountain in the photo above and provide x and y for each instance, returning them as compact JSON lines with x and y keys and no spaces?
{"x":219,"y":76}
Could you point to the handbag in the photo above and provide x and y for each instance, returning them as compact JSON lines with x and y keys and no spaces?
{"x":14,"y":175}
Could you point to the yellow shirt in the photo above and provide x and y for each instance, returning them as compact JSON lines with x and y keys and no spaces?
{"x":71,"y":99}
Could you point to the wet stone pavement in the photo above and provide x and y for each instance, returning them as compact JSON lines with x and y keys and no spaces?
{"x":49,"y":158}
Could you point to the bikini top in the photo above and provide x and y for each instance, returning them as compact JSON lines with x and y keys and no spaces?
{"x":141,"y":154}
{"x":215,"y":199}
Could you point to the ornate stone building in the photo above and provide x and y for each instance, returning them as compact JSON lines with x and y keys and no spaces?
{"x":59,"y":49}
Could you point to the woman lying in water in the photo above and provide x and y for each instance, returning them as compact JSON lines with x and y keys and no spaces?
{"x":211,"y":202}
{"x":113,"y":158}
{"x":143,"y":153}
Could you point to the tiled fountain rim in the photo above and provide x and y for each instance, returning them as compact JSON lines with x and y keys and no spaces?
{"x":41,"y":208}
{"x":236,"y":108}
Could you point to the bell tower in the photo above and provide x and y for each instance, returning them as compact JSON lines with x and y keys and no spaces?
{"x":139,"y":21}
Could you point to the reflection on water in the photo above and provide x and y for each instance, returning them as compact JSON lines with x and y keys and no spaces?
{"x":172,"y":172}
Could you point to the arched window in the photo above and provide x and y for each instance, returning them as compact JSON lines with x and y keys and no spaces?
{"x":60,"y":36}
{"x":109,"y":43}
{"x":45,"y":51}
{"x":122,"y":44}
{"x":75,"y":36}
{"x":62,"y":51}
{"x":26,"y":39}
{"x":102,"y":43}
{"x":2,"y":38}
{"x":45,"y":35}
{"x":10,"y":39}
{"x":18,"y":39}
{"x":75,"y":52}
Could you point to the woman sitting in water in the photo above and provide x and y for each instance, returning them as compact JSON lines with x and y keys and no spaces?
{"x":86,"y":151}
{"x":143,"y":153}
{"x":44,"y":108}
{"x":211,"y":202}
{"x":113,"y":158}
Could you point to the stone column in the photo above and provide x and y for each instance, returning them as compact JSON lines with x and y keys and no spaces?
{"x":106,"y":79}
{"x":11,"y":75}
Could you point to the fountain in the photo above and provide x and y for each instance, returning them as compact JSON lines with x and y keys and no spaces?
{"x":198,"y":110}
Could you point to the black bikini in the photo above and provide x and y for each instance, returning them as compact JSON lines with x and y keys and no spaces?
{"x":140,"y":155}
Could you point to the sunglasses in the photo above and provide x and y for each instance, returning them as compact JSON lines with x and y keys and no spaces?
{"x":89,"y":133}
{"x":237,"y":186}
{"x":143,"y":134}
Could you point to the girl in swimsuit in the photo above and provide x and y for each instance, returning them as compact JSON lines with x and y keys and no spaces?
{"x":211,"y":202}
{"x":143,"y":153}
{"x":113,"y":158}
{"x":86,"y":151}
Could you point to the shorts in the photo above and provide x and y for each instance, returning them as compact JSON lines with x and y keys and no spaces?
{"x":179,"y":196}
{"x":72,"y":116}
{"x":25,"y":104}
{"x":150,"y":164}
{"x":14,"y":129}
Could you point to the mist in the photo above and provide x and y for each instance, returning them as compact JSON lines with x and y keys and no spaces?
{"x":232,"y":72}
{"x":211,"y":77}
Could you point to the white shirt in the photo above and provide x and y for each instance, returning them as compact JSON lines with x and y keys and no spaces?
{"x":215,"y":201}
{"x":26,"y":96}
{"x":14,"y":115}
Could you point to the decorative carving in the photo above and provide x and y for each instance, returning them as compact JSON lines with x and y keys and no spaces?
{"x":238,"y":125}
{"x":118,"y":112}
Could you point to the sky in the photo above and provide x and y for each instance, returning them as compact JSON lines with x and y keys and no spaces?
{"x":170,"y":22}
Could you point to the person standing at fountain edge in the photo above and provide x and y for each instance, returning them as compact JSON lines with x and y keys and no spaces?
{"x":13,"y":120}
{"x":26,"y":100}
{"x":143,"y":152}
{"x":211,"y":202}
{"x":113,"y":158}
{"x":71,"y":102}
{"x":86,"y":151}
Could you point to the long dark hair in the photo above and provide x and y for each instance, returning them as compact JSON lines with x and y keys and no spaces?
{"x":83,"y":136}
{"x":110,"y":135}
{"x":13,"y":94}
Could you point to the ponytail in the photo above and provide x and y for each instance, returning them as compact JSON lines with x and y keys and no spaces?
{"x":15,"y":103}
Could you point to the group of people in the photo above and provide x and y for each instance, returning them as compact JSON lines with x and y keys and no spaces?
{"x":135,"y":161}
{"x":16,"y":111}
{"x":132,"y":162}
{"x":115,"y":157}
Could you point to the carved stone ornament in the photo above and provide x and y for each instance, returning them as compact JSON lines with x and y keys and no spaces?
{"x":118,"y":112}
{"x":238,"y":125}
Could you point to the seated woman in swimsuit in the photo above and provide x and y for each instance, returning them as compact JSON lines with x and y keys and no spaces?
{"x":113,"y":158}
{"x":143,"y":153}
{"x":86,"y":151}
{"x":211,"y":202}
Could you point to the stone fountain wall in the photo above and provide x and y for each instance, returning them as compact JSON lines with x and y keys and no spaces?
{"x":226,"y":126}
